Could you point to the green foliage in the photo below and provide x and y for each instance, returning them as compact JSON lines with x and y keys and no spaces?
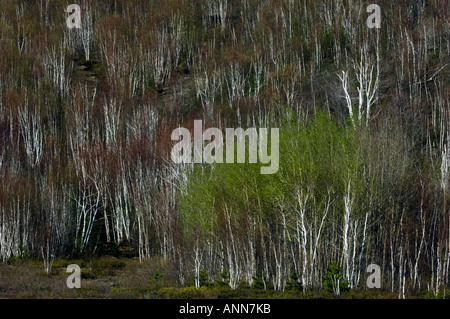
{"x":294,"y":282}
{"x":157,"y":280}
{"x":224,"y":279}
{"x":258,"y":280}
{"x":63,"y":263}
{"x":319,"y":155}
{"x":88,"y":274}
{"x":24,"y":253}
{"x":333,"y":281}
{"x":157,"y":276}
{"x":106,"y":266}
{"x":314,"y":158}
{"x":429,"y":294}
{"x":203,"y":278}
{"x":188,"y":293}
{"x":107,"y":263}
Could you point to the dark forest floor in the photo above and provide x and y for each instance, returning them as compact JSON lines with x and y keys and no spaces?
{"x":125,"y":278}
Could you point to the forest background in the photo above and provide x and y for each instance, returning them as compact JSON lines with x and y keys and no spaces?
{"x":86,"y":117}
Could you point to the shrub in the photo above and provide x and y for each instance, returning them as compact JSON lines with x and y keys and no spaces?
{"x":88,"y":274}
{"x":294,"y":283}
{"x":258,"y":280}
{"x":107,"y":263}
{"x":188,"y":293}
{"x":225,"y":279}
{"x":203,"y":279}
{"x":333,"y":280}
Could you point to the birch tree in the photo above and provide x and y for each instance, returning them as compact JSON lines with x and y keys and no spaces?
{"x":32,"y":132}
{"x":368,"y":83}
{"x":348,"y":100}
{"x":216,"y":11}
{"x":367,"y":75}
{"x":348,"y":205}
{"x":54,"y":63}
{"x":206,"y":85}
{"x":87,"y":33}
{"x":112,"y":112}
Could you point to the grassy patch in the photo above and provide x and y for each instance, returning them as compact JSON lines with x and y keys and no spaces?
{"x":110,"y":277}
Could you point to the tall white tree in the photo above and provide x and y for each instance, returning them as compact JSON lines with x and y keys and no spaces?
{"x":32,"y":132}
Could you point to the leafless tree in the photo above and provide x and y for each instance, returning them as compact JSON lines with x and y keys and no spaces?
{"x":32,"y":132}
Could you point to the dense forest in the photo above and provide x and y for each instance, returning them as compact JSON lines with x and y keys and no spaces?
{"x":86,"y":116}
